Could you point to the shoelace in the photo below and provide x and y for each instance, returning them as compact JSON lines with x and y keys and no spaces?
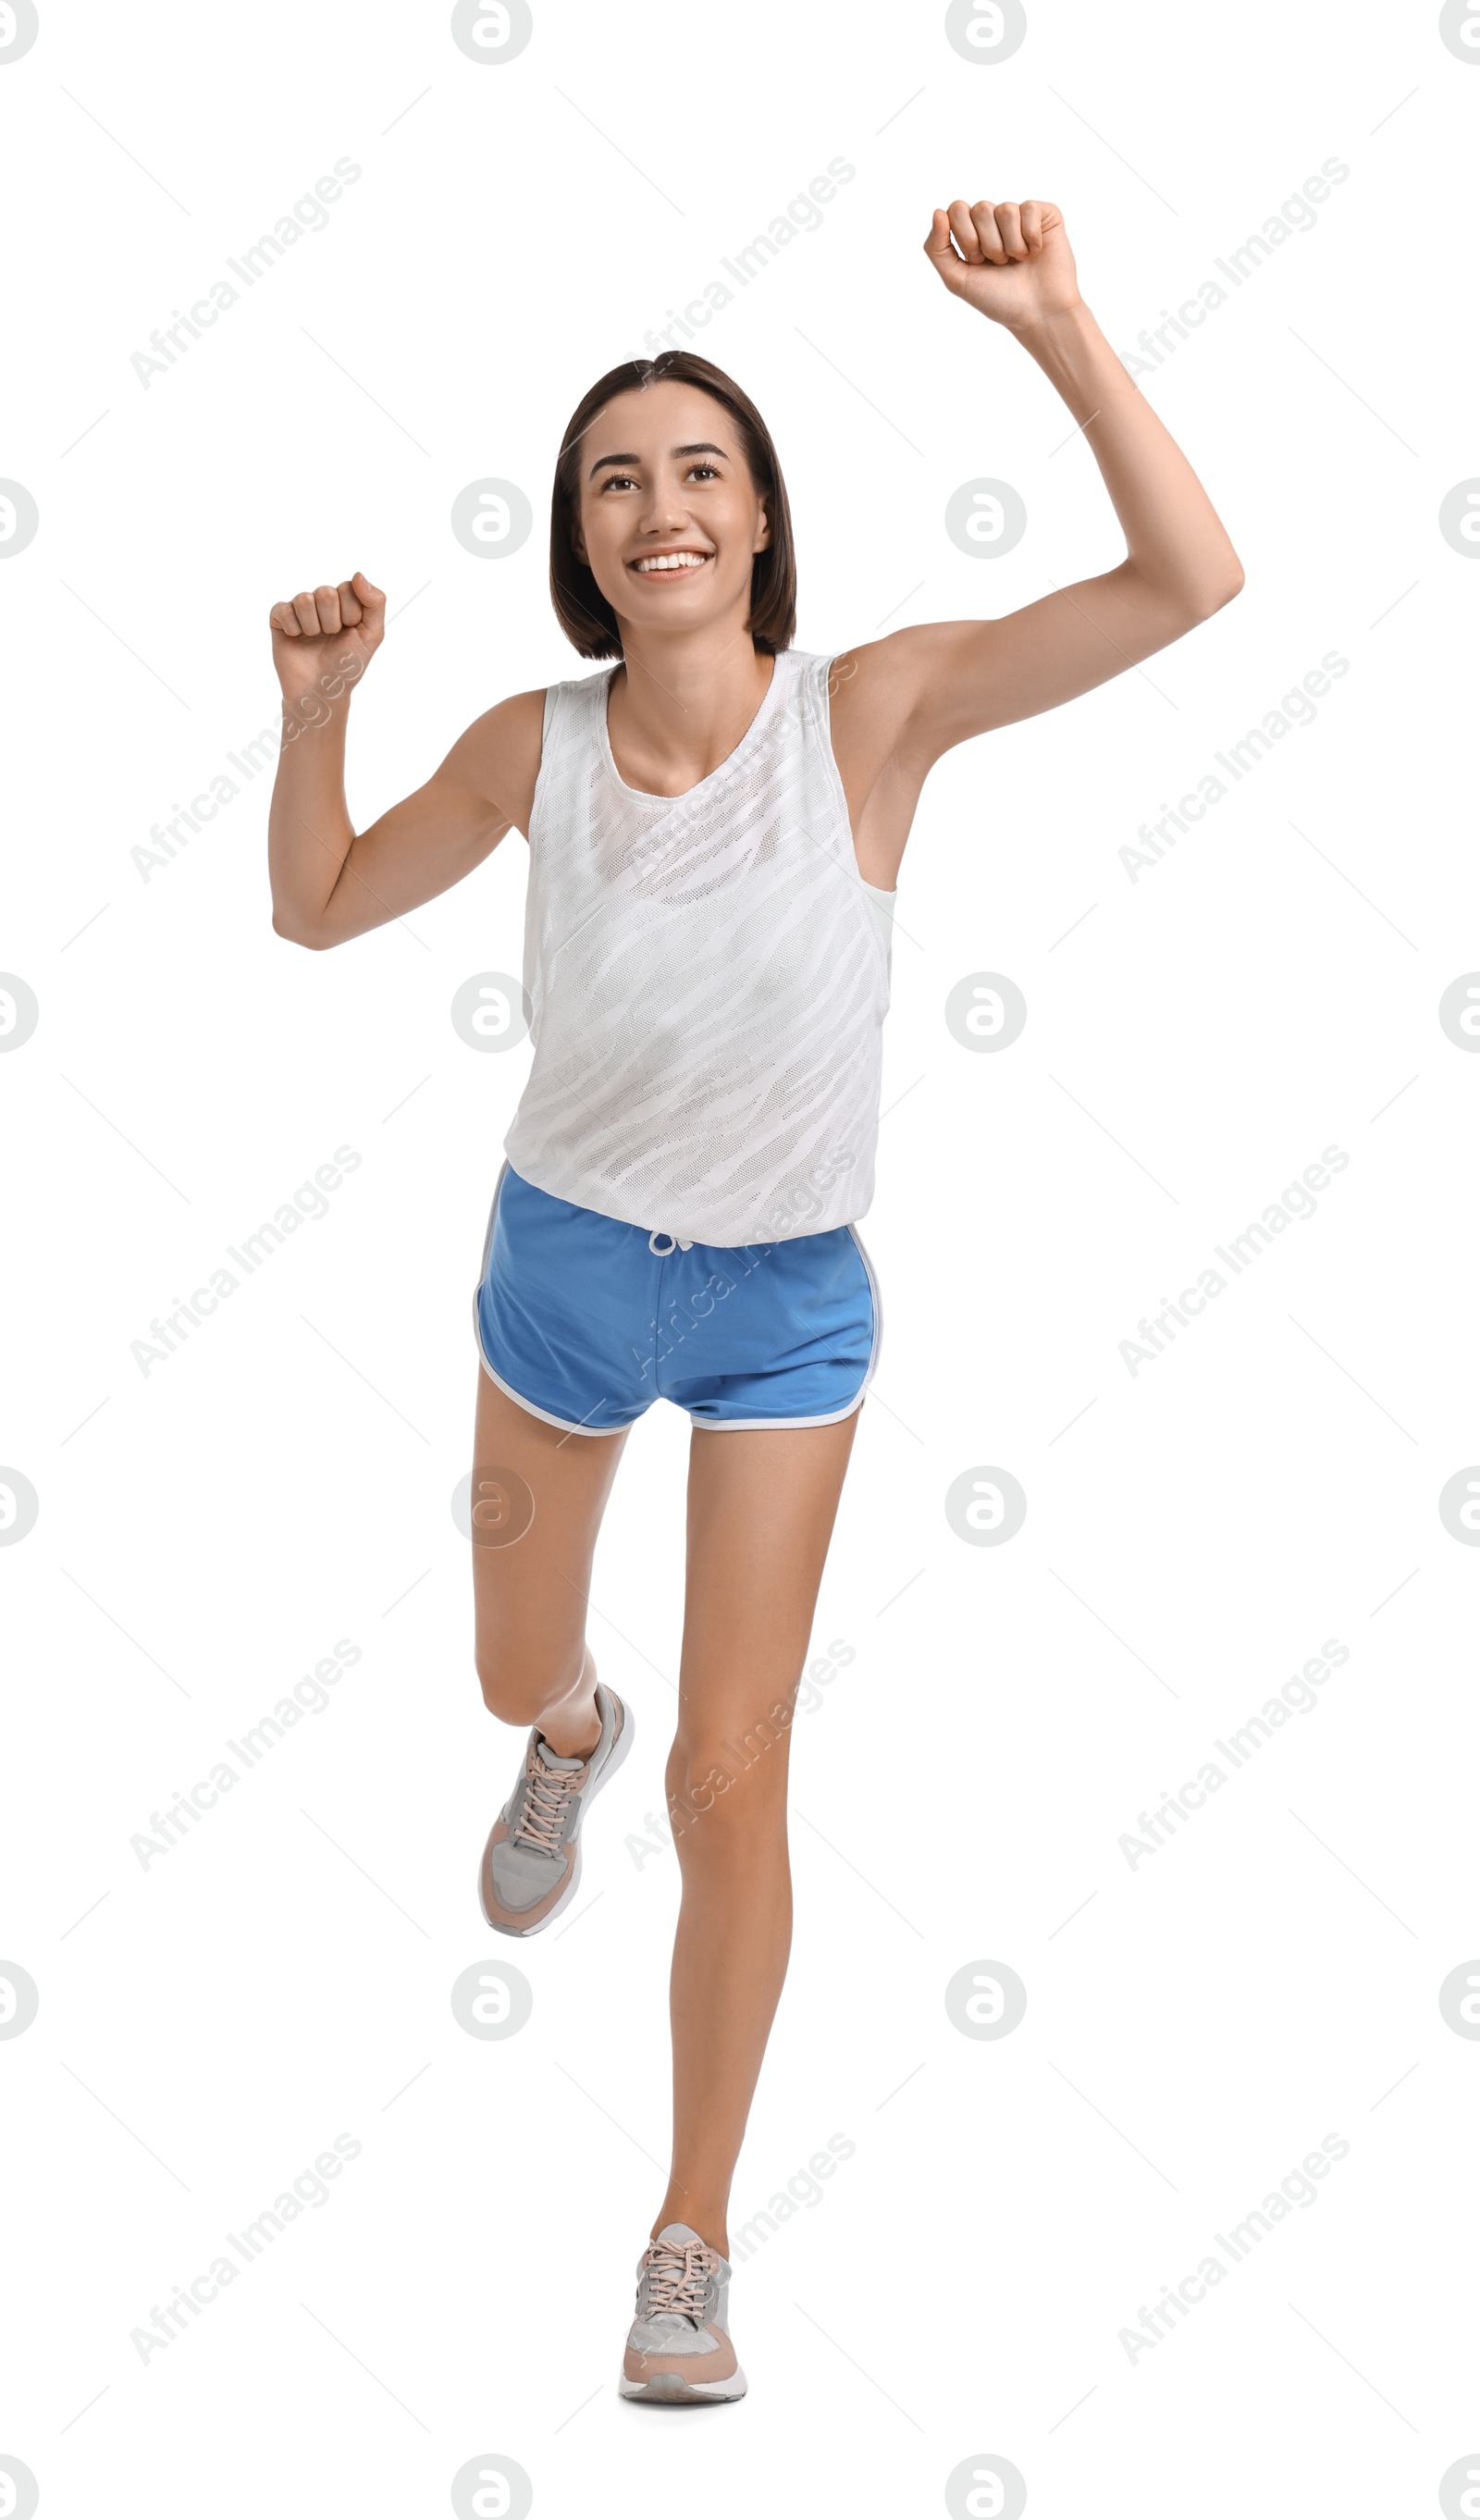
{"x":678,"y":2279}
{"x":542,"y":1821}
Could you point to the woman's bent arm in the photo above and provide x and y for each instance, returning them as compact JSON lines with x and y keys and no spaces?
{"x":329,"y":882}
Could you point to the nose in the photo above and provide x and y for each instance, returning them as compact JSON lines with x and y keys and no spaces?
{"x":662,"y":510}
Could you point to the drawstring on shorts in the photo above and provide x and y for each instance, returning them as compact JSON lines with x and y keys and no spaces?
{"x":661,"y":1243}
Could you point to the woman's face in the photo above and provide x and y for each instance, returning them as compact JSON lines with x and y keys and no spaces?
{"x":669,"y":518}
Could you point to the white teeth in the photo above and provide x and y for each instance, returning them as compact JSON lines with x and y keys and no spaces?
{"x":672,"y":561}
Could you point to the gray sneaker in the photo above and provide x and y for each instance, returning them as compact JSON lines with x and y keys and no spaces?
{"x":531,"y":1866}
{"x":678,"y":2351}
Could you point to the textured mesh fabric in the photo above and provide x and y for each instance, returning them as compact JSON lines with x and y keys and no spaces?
{"x":708,"y":976}
{"x":523,"y":1874}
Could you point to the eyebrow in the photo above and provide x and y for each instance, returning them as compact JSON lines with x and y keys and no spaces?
{"x":702,"y":447}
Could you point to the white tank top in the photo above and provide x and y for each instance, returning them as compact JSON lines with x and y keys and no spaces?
{"x":708,"y":976}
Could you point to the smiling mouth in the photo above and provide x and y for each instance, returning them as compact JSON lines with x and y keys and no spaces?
{"x":680,"y":563}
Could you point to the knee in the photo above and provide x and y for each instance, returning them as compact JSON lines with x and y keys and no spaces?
{"x":722,"y":1796}
{"x":521,"y":1684}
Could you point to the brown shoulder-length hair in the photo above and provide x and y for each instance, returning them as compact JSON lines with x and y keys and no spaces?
{"x":583,"y":611}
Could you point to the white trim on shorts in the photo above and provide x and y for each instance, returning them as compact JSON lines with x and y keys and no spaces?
{"x":508,"y":1388}
{"x":747,"y":1426}
{"x":562,"y":1422}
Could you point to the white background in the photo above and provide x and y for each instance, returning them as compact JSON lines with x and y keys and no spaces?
{"x":1194,"y":1531}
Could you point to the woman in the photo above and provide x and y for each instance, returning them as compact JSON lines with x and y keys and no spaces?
{"x":715,"y":827}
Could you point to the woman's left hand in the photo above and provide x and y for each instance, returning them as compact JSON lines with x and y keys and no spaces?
{"x":1009,"y":259}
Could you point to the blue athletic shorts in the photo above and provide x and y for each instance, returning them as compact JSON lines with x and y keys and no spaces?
{"x":586,"y":1321}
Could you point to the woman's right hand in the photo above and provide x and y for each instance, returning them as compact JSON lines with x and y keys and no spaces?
{"x":323,"y":642}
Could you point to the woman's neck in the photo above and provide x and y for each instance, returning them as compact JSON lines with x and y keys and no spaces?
{"x":677,"y":709}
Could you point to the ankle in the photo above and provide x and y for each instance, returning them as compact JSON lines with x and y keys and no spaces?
{"x":572,"y":1741}
{"x":712,"y":2228}
{"x":574,"y":1728}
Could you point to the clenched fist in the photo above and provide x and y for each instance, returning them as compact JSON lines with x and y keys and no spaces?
{"x":1009,"y":259}
{"x":327,"y":639}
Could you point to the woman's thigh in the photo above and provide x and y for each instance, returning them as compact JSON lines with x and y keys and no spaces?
{"x":538,"y":1497}
{"x":762,"y":1502}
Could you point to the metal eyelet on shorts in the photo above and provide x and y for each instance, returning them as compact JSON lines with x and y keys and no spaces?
{"x":661,"y":1243}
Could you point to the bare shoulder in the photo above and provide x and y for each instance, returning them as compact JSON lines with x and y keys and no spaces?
{"x":499,"y":755}
{"x":876,"y":693}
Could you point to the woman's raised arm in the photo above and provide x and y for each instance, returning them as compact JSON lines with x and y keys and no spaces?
{"x":329,"y":882}
{"x":934,"y":687}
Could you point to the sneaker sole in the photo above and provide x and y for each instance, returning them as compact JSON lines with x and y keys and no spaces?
{"x":523,"y":1933}
{"x":670,"y":2391}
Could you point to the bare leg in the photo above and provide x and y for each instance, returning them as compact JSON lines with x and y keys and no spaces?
{"x":761,"y":1509}
{"x":529,"y":1597}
